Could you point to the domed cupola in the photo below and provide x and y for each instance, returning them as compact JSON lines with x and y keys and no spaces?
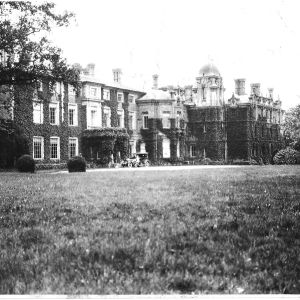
{"x":210,"y":90}
{"x":209,"y":70}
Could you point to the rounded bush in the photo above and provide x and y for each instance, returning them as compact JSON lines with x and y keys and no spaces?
{"x":26,"y":163}
{"x":286,"y":156}
{"x":77,"y":164}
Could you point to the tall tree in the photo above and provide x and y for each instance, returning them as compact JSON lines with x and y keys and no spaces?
{"x":291,"y":126}
{"x":27,"y":57}
{"x":26,"y":53}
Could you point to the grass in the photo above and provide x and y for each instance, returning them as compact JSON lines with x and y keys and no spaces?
{"x":234,"y":230}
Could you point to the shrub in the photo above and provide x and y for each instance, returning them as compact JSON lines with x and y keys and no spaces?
{"x":77,"y":164}
{"x":287,"y":156}
{"x":49,"y":166}
{"x":26,"y":164}
{"x":103,"y":161}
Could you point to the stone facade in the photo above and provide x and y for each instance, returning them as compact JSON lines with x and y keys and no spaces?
{"x":169,"y":123}
{"x":243,"y":127}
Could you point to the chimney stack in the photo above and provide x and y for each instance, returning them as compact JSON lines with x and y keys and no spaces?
{"x":117,"y":75}
{"x":155,"y":81}
{"x":91,"y":69}
{"x":255,"y":89}
{"x":240,"y":86}
{"x":270,"y":90}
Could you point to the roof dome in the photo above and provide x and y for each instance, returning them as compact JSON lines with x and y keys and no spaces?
{"x":209,"y":70}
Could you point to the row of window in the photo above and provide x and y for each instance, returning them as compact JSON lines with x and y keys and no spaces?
{"x":38,"y":147}
{"x":94,"y":92}
{"x":38,"y":114}
{"x":94,"y":115}
{"x":166,"y":122}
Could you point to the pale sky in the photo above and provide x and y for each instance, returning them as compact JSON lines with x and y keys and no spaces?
{"x":257,"y":39}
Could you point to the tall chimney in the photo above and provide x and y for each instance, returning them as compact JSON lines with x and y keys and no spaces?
{"x":240,"y":86}
{"x":155,"y":81}
{"x":270,"y":90}
{"x":91,"y":69}
{"x":117,"y":75}
{"x":255,"y":88}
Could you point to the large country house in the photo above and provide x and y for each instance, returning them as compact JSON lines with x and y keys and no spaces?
{"x":169,"y":123}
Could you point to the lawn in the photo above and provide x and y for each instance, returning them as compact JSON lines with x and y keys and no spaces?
{"x":234,"y":230}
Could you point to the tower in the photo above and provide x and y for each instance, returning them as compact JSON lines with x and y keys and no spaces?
{"x":210,"y":88}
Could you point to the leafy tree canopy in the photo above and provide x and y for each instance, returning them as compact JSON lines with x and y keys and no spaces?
{"x":26,"y":53}
{"x":291,"y":126}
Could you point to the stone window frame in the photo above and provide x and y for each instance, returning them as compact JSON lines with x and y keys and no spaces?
{"x":145,"y":117}
{"x":55,"y":106}
{"x":40,"y":111}
{"x":38,"y":139}
{"x":74,"y":108}
{"x":192,"y":150}
{"x":57,"y":139}
{"x":69,"y":146}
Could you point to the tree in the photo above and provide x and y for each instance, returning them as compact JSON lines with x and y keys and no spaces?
{"x":26,"y":53}
{"x":28,"y":58}
{"x":291,"y":126}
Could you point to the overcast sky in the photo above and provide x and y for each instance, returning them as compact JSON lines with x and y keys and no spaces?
{"x":257,"y":40}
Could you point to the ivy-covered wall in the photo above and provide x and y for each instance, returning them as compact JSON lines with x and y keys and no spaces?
{"x":99,"y":145}
{"x":237,"y":127}
{"x":206,"y":130}
{"x":154,"y":135}
{"x":23,"y":117}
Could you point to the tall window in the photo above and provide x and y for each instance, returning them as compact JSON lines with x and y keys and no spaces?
{"x":72,"y":115}
{"x":145,"y":120}
{"x":132,"y":120}
{"x":192,"y":150}
{"x":38,"y":147}
{"x":53,"y":114}
{"x":106,"y":94}
{"x":143,"y":147}
{"x":38,"y":116}
{"x":120,"y":97}
{"x":93,"y":117}
{"x":73,"y":147}
{"x":166,"y":119}
{"x":166,"y":148}
{"x":54,"y":148}
{"x":106,"y":117}
{"x":120,"y":118}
